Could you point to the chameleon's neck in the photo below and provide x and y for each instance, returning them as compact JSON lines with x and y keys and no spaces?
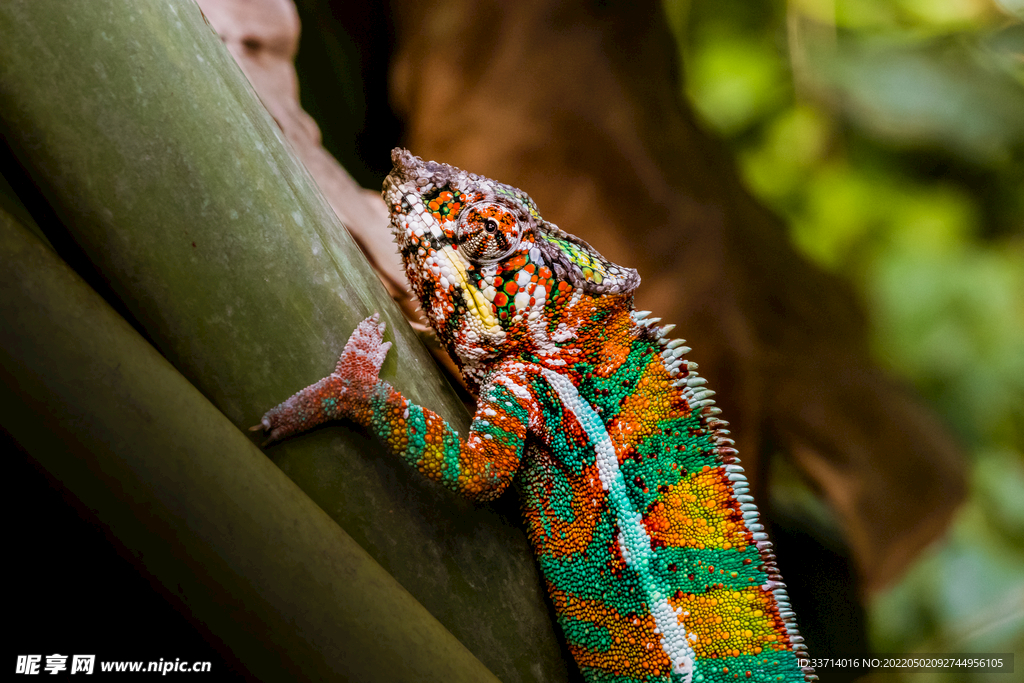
{"x":597,"y":330}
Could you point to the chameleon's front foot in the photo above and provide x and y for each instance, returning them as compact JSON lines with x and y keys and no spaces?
{"x":340,"y":394}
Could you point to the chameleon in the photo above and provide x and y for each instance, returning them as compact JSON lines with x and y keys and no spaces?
{"x":634,"y":501}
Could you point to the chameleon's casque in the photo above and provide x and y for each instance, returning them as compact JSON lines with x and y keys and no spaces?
{"x":635,"y":504}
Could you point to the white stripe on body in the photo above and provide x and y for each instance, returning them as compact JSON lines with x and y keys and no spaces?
{"x":633,"y":540}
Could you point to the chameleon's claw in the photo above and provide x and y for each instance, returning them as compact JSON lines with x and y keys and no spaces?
{"x":264,"y":425}
{"x":283,"y":425}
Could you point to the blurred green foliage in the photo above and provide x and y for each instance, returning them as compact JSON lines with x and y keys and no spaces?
{"x":890,"y":135}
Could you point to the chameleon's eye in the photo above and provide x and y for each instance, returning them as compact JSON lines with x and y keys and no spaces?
{"x":488,"y":232}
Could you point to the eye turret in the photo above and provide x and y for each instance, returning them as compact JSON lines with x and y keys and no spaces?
{"x":488,"y":232}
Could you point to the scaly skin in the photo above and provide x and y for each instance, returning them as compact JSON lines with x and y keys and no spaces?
{"x":636,"y":507}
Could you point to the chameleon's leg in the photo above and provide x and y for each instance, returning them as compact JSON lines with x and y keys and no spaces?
{"x":338,"y":395}
{"x":479,"y":467}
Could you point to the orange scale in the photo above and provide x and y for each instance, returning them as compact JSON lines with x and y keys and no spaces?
{"x":760,"y":633}
{"x":685,"y":521}
{"x":556,"y":537}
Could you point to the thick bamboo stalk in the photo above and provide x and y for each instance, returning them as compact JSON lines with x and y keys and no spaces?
{"x":167,"y":171}
{"x":281,"y":584}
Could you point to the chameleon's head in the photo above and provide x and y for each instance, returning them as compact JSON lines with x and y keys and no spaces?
{"x":487,"y":269}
